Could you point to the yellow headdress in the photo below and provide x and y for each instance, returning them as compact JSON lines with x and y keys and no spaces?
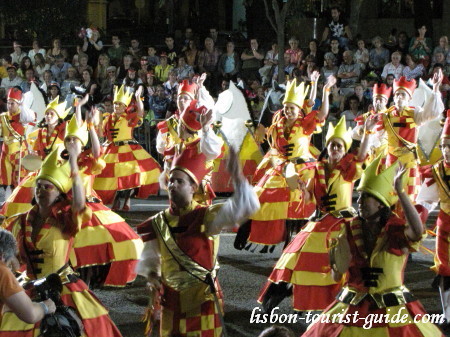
{"x":56,"y":170}
{"x":295,"y":94}
{"x":340,"y":131}
{"x":59,"y":108}
{"x":122,"y":95}
{"x":381,"y":185}
{"x":73,"y":130}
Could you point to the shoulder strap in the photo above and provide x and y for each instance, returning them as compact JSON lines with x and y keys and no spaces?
{"x":410,"y":146}
{"x":8,"y":125}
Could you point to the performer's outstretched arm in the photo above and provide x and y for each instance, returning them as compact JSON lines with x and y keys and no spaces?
{"x":323,"y":113}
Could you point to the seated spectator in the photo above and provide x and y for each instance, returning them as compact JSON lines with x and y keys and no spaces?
{"x":149,"y":83}
{"x":296,"y":54}
{"x":159,"y":102}
{"x":35,"y":50}
{"x":170,"y":50}
{"x":421,"y":46}
{"x":336,"y":51}
{"x":413,"y":70}
{"x":348,"y":73}
{"x":183,"y":70}
{"x":378,"y":56}
{"x":330,"y":67}
{"x":144,"y":68}
{"x":17,"y":55}
{"x":116,"y":52}
{"x":313,"y":50}
{"x":132,"y":80}
{"x":47,"y":78}
{"x":361,"y":55}
{"x":152,"y":58}
{"x":100,"y":72}
{"x":270,"y":62}
{"x":24,"y":65}
{"x":445,"y":85}
{"x":257,"y":102}
{"x":208,"y":61}
{"x":440,"y":58}
{"x":12,"y":295}
{"x":135,"y":49}
{"x":191,"y":54}
{"x":163,"y":69}
{"x":393,"y":67}
{"x":229,"y":62}
{"x":54,"y":91}
{"x":76,"y":57}
{"x":389,"y":81}
{"x":109,"y":82}
{"x":123,"y":69}
{"x":59,"y":68}
{"x":29,"y":79}
{"x":309,"y":67}
{"x":251,"y":60}
{"x":70,"y":81}
{"x":402,"y":43}
{"x":3,"y":64}
{"x":443,"y":47}
{"x":83,"y":64}
{"x":90,"y":85}
{"x":352,"y":111}
{"x":171,"y":85}
{"x":55,"y":51}
{"x":359,"y":93}
{"x":13,"y":80}
{"x":40,"y":66}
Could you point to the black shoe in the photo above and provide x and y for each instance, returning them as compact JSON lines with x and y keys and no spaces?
{"x":276,"y":293}
{"x":242,"y":236}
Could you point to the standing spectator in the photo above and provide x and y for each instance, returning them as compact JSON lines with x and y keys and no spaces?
{"x":35,"y":50}
{"x":24,"y":65}
{"x":251,"y":60}
{"x":159,"y":102}
{"x":403,"y":43}
{"x":100,"y":72}
{"x":337,"y":27}
{"x":214,"y":34}
{"x":443,"y":47}
{"x":183,"y":70}
{"x":361,"y":55}
{"x":153,"y":59}
{"x":55,"y":50}
{"x":170,"y":50}
{"x":135,"y":49}
{"x":270,"y":62}
{"x":116,"y":51}
{"x":108,"y":83}
{"x":336,"y":50}
{"x":413,"y":70}
{"x":17,"y":55}
{"x":93,"y":47}
{"x":393,"y":67}
{"x":59,"y":69}
{"x":208,"y":60}
{"x":421,"y":46}
{"x":123,"y":69}
{"x":40,"y":65}
{"x":348,"y":73}
{"x":12,"y":80}
{"x":163,"y":69}
{"x":295,"y":53}
{"x":192,"y":54}
{"x":330,"y":68}
{"x":378,"y":56}
{"x":229,"y":62}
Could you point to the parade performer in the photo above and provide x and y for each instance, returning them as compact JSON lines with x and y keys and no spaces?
{"x":304,"y":269}
{"x":182,"y":244}
{"x":42,"y":141}
{"x":372,"y":251}
{"x":13,"y":127}
{"x":128,"y":165}
{"x":401,"y":125}
{"x":289,"y":138}
{"x":106,"y":249}
{"x":45,"y":237}
{"x":380,"y":98}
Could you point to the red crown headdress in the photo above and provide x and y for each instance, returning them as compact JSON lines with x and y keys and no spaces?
{"x":382,"y":90}
{"x":187,"y":88}
{"x":403,"y":83}
{"x":15,"y":94}
{"x":190,"y":117}
{"x":192,"y":162}
{"x":446,"y":129}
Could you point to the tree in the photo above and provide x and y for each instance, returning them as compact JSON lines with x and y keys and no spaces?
{"x":277,"y":19}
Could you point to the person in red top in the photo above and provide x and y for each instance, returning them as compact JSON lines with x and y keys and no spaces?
{"x":12,"y":295}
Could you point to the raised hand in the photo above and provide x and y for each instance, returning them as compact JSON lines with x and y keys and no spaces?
{"x":315,"y":76}
{"x":331,"y":80}
{"x":437,"y":80}
{"x":398,"y":179}
{"x":206,"y":119}
{"x":139,"y":92}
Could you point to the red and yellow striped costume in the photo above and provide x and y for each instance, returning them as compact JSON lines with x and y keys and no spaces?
{"x":278,"y":201}
{"x":188,"y":307}
{"x":42,"y":143}
{"x":305,"y":262}
{"x":128,"y":165}
{"x":375,"y":286}
{"x":13,"y":148}
{"x":55,"y":239}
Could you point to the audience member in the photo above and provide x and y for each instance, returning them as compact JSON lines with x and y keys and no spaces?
{"x":337,"y":27}
{"x":393,"y":67}
{"x":251,"y":60}
{"x":36,"y":49}
{"x":116,"y":52}
{"x":229,"y":62}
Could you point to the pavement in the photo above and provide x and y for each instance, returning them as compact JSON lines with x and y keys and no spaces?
{"x":242,"y":275}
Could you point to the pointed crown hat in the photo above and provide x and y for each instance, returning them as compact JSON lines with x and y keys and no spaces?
{"x":122,"y":95}
{"x":56,"y":170}
{"x":59,"y":108}
{"x":187,"y":88}
{"x":403,"y":83}
{"x":190,"y":117}
{"x":382,"y":90}
{"x":340,"y":131}
{"x":192,"y":162}
{"x":15,"y":94}
{"x":380,"y":185}
{"x":80,"y":132}
{"x":295,"y":93}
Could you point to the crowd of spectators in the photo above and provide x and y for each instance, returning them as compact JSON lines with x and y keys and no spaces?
{"x":357,"y":63}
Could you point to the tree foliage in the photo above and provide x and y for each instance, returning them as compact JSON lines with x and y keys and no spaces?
{"x":44,"y":19}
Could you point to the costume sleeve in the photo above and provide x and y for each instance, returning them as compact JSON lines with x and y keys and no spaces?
{"x":210,"y":145}
{"x":240,"y":206}
{"x":8,"y":283}
{"x":205,"y":99}
{"x":432,"y":109}
{"x":150,"y":260}
{"x":161,"y":142}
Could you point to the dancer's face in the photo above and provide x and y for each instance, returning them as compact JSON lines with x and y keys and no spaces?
{"x":291,"y":111}
{"x":181,"y":188}
{"x":445,"y":148}
{"x":46,"y":193}
{"x":336,"y":149}
{"x":368,"y":205}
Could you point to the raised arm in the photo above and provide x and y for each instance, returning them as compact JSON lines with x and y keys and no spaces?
{"x":313,"y":93}
{"x":369,"y":127}
{"x":139,"y":97}
{"x":323,"y":113}
{"x":78,"y":115}
{"x":210,"y":143}
{"x":95,"y":143}
{"x":78,"y":193}
{"x":434,"y":106}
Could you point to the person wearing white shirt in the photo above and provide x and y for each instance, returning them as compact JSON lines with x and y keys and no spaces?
{"x":36,"y":50}
{"x":394,"y":67}
{"x":12,"y":80}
